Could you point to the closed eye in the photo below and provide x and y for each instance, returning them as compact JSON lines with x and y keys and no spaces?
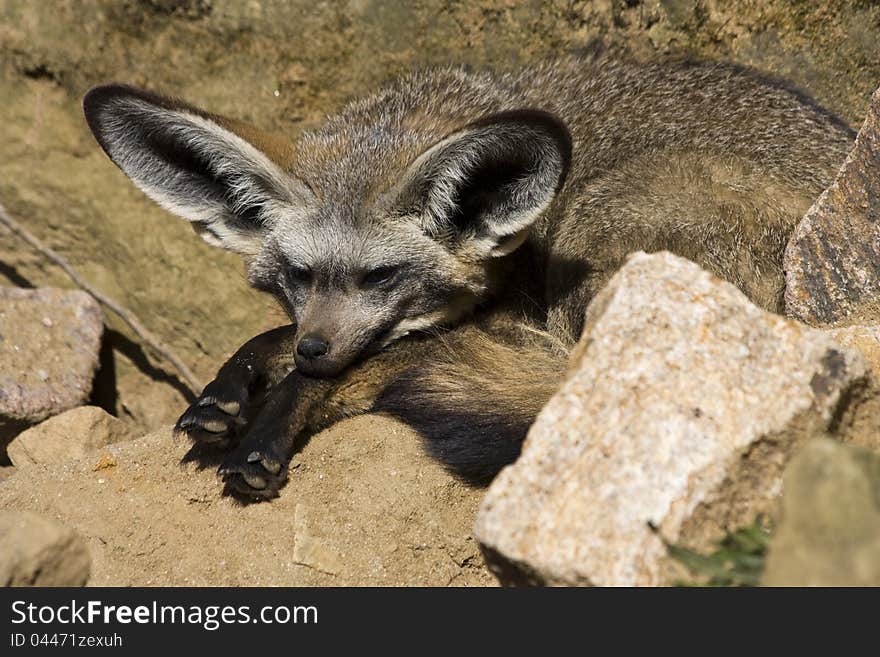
{"x":299,"y":275}
{"x":380,"y":276}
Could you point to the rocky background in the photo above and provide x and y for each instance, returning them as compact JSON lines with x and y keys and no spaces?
{"x":364,"y":506}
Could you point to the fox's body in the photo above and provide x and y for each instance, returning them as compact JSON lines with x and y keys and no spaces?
{"x":706,"y":161}
{"x":479,"y":212}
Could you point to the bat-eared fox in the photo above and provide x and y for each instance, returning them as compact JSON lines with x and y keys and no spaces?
{"x":435,"y":244}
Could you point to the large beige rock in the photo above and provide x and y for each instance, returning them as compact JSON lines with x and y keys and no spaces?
{"x":66,"y":436}
{"x":832,"y":262}
{"x":49,"y":343}
{"x":829,"y":532}
{"x":38,"y":551}
{"x":682,"y":405}
{"x":364,"y":506}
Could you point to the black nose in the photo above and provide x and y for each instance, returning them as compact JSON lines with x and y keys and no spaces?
{"x":312,"y":346}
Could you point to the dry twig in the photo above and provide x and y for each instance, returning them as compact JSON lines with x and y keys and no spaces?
{"x":160,"y":348}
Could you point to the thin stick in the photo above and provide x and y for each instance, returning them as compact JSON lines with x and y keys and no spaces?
{"x":159,"y":347}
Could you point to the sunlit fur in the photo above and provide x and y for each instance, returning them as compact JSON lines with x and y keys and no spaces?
{"x":503,"y":199}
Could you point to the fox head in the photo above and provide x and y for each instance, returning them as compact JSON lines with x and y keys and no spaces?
{"x":374,"y":226}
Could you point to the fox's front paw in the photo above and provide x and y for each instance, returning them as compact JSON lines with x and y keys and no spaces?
{"x":257,"y":469}
{"x":222,"y":411}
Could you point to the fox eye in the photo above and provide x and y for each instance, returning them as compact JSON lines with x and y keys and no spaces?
{"x":299,"y":275}
{"x":379,"y":276}
{"x":250,"y":215}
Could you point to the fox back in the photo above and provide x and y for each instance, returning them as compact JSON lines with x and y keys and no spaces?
{"x":451,"y":191}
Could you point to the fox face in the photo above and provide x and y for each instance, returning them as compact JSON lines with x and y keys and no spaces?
{"x":364,"y":231}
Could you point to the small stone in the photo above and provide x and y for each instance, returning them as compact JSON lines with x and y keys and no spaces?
{"x":38,"y":551}
{"x":309,"y":549}
{"x":67,"y":436}
{"x":682,"y":405}
{"x":46,"y":367}
{"x":106,"y":462}
{"x":829,"y":530}
{"x":832,"y":261}
{"x":6,"y":471}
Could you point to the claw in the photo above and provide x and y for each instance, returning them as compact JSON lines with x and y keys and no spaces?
{"x":269,"y":465}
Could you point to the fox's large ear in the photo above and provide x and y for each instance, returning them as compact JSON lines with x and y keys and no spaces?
{"x":490,"y":181}
{"x":219,"y":174}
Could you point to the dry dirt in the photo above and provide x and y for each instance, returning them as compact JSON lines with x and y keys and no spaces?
{"x":284,"y":65}
{"x":364,"y":506}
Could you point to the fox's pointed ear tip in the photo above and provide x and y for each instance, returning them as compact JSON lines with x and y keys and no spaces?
{"x":548,"y":123}
{"x":97,"y":99}
{"x":101,"y":93}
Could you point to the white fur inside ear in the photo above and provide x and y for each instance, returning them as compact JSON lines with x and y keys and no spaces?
{"x":210,"y":239}
{"x":509,"y":244}
{"x":242,"y":245}
{"x":205,"y":174}
{"x":489,"y":182}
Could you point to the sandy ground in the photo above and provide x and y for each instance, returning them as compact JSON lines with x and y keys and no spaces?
{"x":284,"y":66}
{"x":364,"y":506}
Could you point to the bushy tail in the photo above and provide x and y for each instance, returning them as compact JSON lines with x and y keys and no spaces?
{"x":475,"y":399}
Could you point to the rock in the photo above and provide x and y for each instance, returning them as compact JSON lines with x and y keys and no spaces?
{"x":865,"y":338}
{"x":681,"y":407}
{"x":68,"y":435}
{"x":861,"y":423}
{"x":829,"y":532}
{"x":832,"y":261}
{"x":38,"y":551}
{"x":49,"y":342}
{"x":364,"y":506}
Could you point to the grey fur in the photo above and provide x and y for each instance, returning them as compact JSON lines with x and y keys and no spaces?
{"x":582,"y":162}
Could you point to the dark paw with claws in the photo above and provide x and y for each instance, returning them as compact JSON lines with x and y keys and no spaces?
{"x":257,"y":469}
{"x":221,"y":413}
{"x":248,"y":407}
{"x":232,"y":400}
